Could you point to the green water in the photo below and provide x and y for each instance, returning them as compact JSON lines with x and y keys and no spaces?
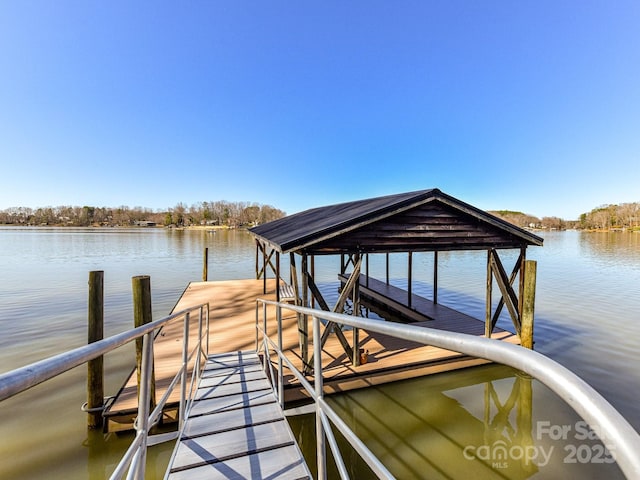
{"x":586,"y":318}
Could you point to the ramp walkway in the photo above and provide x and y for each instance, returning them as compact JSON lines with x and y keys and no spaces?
{"x":235,"y":427}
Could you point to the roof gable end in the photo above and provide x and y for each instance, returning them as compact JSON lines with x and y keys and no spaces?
{"x":413,"y":221}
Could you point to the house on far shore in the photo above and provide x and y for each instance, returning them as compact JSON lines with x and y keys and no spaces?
{"x":144,"y":223}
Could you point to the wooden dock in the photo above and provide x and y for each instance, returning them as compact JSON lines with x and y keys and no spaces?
{"x":236,"y":428}
{"x":232,"y":329}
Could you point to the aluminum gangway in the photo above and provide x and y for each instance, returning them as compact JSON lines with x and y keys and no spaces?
{"x":236,"y":427}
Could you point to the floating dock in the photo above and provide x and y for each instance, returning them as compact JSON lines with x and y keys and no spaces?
{"x":232,"y":329}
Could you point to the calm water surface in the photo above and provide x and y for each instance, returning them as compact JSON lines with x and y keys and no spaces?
{"x":443,"y":426}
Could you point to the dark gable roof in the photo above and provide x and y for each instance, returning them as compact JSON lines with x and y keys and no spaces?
{"x":415,"y":221}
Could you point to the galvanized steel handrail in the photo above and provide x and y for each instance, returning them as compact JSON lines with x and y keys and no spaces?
{"x":133,"y":461}
{"x":615,"y":432}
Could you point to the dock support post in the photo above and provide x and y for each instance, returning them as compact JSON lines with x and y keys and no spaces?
{"x":355,"y":296}
{"x":205,"y":265}
{"x":387,"y":265}
{"x":366,"y":256}
{"x":487,"y":322}
{"x":264,"y":269}
{"x":304,"y":319}
{"x":409,"y":279}
{"x":141,"y":316}
{"x":313,"y":276}
{"x":277,"y":276}
{"x":528,"y":303}
{"x":435,"y":277}
{"x":95,"y":367}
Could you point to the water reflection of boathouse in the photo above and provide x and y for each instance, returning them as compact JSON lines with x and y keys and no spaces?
{"x":402,"y":224}
{"x":476,"y":423}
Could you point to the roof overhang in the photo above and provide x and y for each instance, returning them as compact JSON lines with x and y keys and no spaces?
{"x":425,"y":220}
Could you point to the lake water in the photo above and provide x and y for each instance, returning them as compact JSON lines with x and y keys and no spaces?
{"x":587,"y":318}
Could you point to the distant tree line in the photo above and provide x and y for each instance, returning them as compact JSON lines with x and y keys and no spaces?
{"x":606,"y":217}
{"x":218,"y":213}
{"x":237,"y":214}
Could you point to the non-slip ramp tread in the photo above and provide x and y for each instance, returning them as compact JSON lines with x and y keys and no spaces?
{"x":236,"y":428}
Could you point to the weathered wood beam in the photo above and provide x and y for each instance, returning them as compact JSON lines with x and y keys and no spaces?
{"x":277,"y":276}
{"x":509,"y":296}
{"x":529,"y":299}
{"x":304,"y":302}
{"x":488,"y":325}
{"x":303,"y":334}
{"x":409,"y":278}
{"x":264,"y":272}
{"x":516,"y":268}
{"x":313,"y":275}
{"x":387,"y":265}
{"x":342,"y":299}
{"x":344,"y":294}
{"x":435,"y":277}
{"x":317,"y":295}
{"x":294,"y":276}
{"x":355,"y":297}
{"x":258,"y":247}
{"x":267,"y":263}
{"x":521,"y":260}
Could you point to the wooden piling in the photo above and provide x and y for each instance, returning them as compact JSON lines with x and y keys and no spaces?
{"x":488,"y":325}
{"x":95,"y":367}
{"x":141,"y":285}
{"x":528,"y":303}
{"x":205,"y":265}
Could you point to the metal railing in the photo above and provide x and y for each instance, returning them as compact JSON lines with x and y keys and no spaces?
{"x":133,"y":462}
{"x":615,"y":432}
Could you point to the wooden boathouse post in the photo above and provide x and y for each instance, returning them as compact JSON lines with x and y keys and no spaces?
{"x":435,"y":276}
{"x":409,"y":278}
{"x":95,"y":367}
{"x":141,"y":285}
{"x":205,"y":265}
{"x":528,"y":304}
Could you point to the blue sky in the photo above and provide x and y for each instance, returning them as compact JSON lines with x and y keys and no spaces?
{"x":521,"y":105}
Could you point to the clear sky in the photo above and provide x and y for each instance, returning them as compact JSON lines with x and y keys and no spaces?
{"x":520,"y":105}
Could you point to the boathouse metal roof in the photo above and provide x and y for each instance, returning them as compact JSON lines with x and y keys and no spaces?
{"x":424,"y":220}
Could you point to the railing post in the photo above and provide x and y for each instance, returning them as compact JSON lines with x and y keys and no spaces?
{"x":144,"y":400}
{"x":265,"y":345}
{"x":185,"y":361}
{"x":280,"y":372}
{"x":257,"y":319}
{"x":95,"y":368}
{"x":319,"y":388}
{"x":199,"y":356}
{"x":208,"y":332}
{"x":142,"y":315}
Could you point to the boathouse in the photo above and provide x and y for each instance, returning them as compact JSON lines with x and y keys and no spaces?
{"x":402,"y":224}
{"x":405,"y":223}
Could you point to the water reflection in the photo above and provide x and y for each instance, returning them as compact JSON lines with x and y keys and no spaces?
{"x":611,"y":248}
{"x":484,"y":423}
{"x":586,"y":318}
